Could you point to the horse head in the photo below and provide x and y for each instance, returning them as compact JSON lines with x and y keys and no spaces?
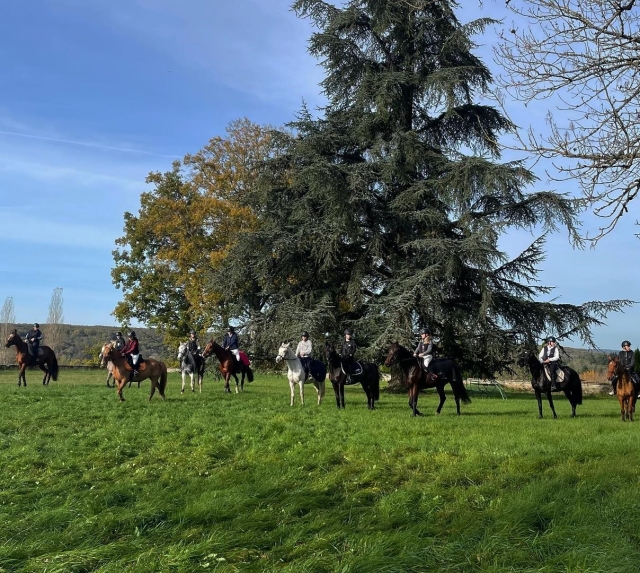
{"x":208,"y":349}
{"x":182,"y":350}
{"x":392,"y":356}
{"x":13,"y":338}
{"x":613,"y":367}
{"x":283,"y":352}
{"x":106,"y":353}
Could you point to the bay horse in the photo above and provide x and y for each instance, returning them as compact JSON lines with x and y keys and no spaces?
{"x":417,"y":379}
{"x":229,"y":366}
{"x":625,"y":388}
{"x":46,"y":359}
{"x":109,"y":366}
{"x":187,"y":369}
{"x":568,"y":381}
{"x":296,"y":373}
{"x":154,"y":370}
{"x":369,"y":378}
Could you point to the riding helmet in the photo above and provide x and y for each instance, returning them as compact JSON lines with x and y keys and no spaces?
{"x":192,"y":332}
{"x":425,"y":331}
{"x":118,"y":333}
{"x":132,"y":334}
{"x":36,"y":325}
{"x":230,"y":329}
{"x":625,"y":343}
{"x":305,"y":333}
{"x":551,"y":339}
{"x":349,"y":332}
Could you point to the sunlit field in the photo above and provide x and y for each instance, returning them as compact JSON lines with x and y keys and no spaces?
{"x":215,"y":482}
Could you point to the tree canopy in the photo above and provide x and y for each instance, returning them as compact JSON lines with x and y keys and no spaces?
{"x":384,"y":212}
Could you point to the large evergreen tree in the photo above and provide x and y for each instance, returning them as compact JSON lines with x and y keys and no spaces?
{"x":385,"y":213}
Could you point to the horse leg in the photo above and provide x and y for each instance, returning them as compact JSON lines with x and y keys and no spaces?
{"x":242,"y":382}
{"x":301,"y":386}
{"x":336,"y":391}
{"x":227,"y":377}
{"x":200,"y":383}
{"x":292,"y":388}
{"x":154,"y":383}
{"x":413,"y":400}
{"x":108,"y":378}
{"x":342,"y":395}
{"x":120,"y":384}
{"x":22,"y":377}
{"x":443,"y":398}
{"x":193,"y":382}
{"x":550,"y":399}
{"x":183,"y":383}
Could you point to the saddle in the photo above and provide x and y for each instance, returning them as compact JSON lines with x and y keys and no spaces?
{"x":141,"y":365}
{"x":356,"y":370}
{"x":561,"y":375}
{"x":33,"y":359}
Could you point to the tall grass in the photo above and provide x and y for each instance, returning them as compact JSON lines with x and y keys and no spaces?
{"x":246,"y":483}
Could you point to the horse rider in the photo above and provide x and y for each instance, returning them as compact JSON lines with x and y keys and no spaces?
{"x":230,"y":342}
{"x":550,"y":355}
{"x":131,"y":351}
{"x":627,"y":359}
{"x":304,"y":351}
{"x":34,"y":336}
{"x":348,"y":352}
{"x":193,"y":349}
{"x":119,"y":343}
{"x":424,"y":349}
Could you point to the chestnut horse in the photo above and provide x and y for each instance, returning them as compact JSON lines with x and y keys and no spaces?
{"x":229,"y":366}
{"x":46,"y":360}
{"x":625,"y":388}
{"x":570,"y":383}
{"x":154,"y":370}
{"x":369,"y":378}
{"x":417,"y":379}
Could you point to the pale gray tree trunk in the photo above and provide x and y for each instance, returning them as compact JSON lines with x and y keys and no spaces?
{"x":53,"y":334}
{"x":7,"y":322}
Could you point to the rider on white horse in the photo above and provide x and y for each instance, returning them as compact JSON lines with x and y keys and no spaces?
{"x":304,"y":351}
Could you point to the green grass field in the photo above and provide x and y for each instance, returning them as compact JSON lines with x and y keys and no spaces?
{"x":217,"y":482}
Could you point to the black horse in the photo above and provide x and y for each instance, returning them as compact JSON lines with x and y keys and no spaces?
{"x":369,"y":378}
{"x":446,"y":372}
{"x":571,"y":384}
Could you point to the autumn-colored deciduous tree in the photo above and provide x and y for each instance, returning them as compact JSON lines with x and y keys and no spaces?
{"x":168,"y":257}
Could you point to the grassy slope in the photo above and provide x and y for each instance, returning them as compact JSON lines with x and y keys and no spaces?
{"x":246,"y":483}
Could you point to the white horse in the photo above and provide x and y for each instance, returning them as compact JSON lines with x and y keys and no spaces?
{"x":296,"y":373}
{"x":187,"y":369}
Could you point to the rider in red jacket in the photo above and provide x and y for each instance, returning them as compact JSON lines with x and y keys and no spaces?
{"x":131,"y":349}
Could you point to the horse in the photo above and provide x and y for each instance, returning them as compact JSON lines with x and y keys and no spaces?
{"x":369,"y":378}
{"x":46,"y":359}
{"x":109,"y":366}
{"x":229,"y":366}
{"x":417,"y":379}
{"x":154,"y":370}
{"x":186,"y":367}
{"x":625,"y":388}
{"x":297,"y":375}
{"x":568,"y":381}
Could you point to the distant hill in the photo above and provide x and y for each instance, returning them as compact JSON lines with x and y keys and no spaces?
{"x":81,"y":344}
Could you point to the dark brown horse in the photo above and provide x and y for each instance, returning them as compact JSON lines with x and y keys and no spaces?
{"x":369,"y":378}
{"x":417,"y":379}
{"x":46,"y":359}
{"x":570,"y":383}
{"x":625,"y":388}
{"x":154,"y":370}
{"x":229,"y":366}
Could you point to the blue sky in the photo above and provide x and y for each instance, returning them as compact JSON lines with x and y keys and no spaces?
{"x":94,"y":95}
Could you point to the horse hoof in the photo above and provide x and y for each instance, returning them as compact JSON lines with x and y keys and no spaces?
{"x":181,"y":391}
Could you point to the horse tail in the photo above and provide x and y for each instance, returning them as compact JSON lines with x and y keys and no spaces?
{"x":54,"y":368}
{"x":162,"y":383}
{"x":457,"y":385}
{"x":249,"y":374}
{"x":577,"y":388}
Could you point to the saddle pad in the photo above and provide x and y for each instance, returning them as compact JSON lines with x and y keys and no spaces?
{"x":318,"y":370}
{"x":244,"y":358}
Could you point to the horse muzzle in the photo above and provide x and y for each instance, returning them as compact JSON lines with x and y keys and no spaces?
{"x":278,"y":359}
